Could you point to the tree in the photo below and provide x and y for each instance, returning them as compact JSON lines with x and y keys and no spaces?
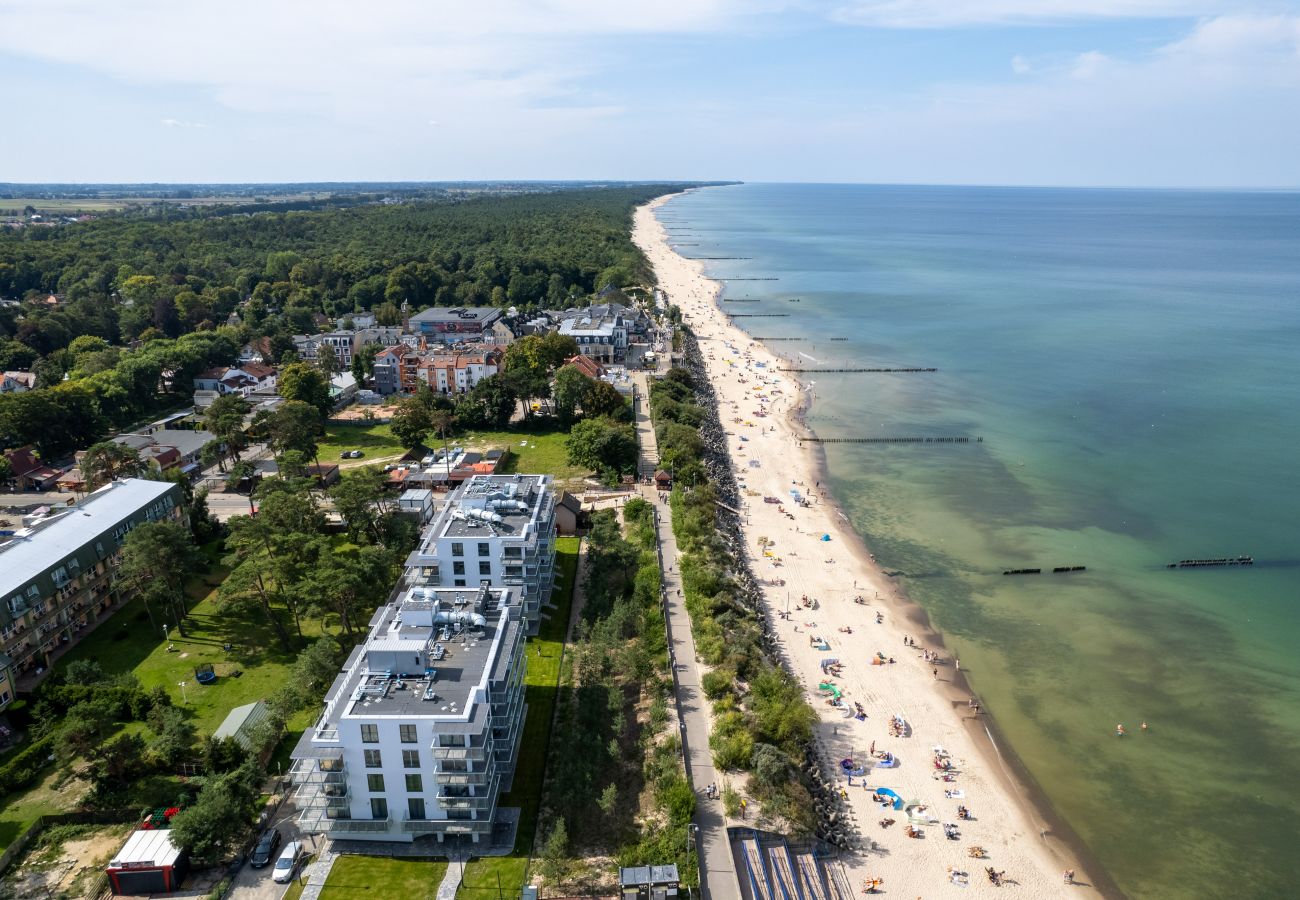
{"x":571,"y":386}
{"x":218,"y":818}
{"x":489,"y":404}
{"x":156,"y":559}
{"x":225,"y":419}
{"x":299,"y":381}
{"x":114,"y":765}
{"x":175,"y":735}
{"x":108,"y":460}
{"x":327,"y":359}
{"x":603,"y":400}
{"x":604,"y":446}
{"x":294,"y":425}
{"x":555,"y":852}
{"x":362,"y":500}
{"x":411,"y":422}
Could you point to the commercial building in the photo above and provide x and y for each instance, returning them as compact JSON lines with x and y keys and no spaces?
{"x":494,"y":529}
{"x":458,"y":324}
{"x":420,"y":732}
{"x":57,"y":575}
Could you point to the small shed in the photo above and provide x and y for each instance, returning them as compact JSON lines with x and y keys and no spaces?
{"x":663,"y":480}
{"x":417,"y":502}
{"x":241,"y":722}
{"x":648,"y":882}
{"x":567,"y":513}
{"x":148,"y":863}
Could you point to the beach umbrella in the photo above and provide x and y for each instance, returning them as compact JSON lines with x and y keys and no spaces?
{"x":826,"y":537}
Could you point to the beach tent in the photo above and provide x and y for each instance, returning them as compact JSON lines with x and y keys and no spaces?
{"x":919,"y":814}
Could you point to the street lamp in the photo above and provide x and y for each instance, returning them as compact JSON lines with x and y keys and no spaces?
{"x":184,"y":699}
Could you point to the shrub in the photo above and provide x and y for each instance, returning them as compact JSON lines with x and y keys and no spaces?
{"x":717,"y":683}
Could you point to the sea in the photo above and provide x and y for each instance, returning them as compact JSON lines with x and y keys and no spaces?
{"x":1126,"y":364}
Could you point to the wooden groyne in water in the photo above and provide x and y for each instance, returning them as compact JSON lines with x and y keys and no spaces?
{"x":894,"y":440}
{"x":759,"y":315}
{"x":1059,"y":570}
{"x":1212,"y":563}
{"x":717,"y":257}
{"x":748,"y":279}
{"x":740,"y":300}
{"x":794,"y":369}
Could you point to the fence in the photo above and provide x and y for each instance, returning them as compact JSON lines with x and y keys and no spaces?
{"x":24,"y":840}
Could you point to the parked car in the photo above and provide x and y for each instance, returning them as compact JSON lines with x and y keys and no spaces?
{"x":287,"y":864}
{"x":357,"y":454}
{"x":264,"y":852}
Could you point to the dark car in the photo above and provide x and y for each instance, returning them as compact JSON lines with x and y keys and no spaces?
{"x":264,"y":852}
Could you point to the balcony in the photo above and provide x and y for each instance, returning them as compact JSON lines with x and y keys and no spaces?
{"x":466,"y":753}
{"x":357,"y":826}
{"x":447,"y":826}
{"x":463,"y":779}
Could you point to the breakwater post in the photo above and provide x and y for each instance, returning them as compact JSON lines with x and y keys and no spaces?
{"x":799,"y":369}
{"x":893,"y":440}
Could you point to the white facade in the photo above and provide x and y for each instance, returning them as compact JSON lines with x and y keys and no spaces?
{"x":420,"y":732}
{"x":494,"y":529}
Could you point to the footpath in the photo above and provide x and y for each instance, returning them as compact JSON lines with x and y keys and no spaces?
{"x":717,"y":867}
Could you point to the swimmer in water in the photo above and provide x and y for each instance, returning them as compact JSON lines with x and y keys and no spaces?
{"x":1119,"y":731}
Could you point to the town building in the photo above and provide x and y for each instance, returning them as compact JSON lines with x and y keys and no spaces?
{"x":17,"y":382}
{"x":420,"y":732}
{"x":454,"y":325}
{"x":28,"y":473}
{"x":57,"y":575}
{"x":457,"y":372}
{"x":497,"y":529}
{"x":243,"y":380}
{"x":388,"y":370}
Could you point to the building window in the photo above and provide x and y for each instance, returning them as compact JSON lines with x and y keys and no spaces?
{"x":375,"y":783}
{"x":458,"y":568}
{"x":370,"y":734}
{"x":414,"y":784}
{"x":484,"y":548}
{"x":460,"y":582}
{"x":378,"y":808}
{"x":451,"y":740}
{"x":410,"y":759}
{"x":373,"y":759}
{"x":457,"y":549}
{"x":415,"y":807}
{"x":408,"y":734}
{"x":485,"y":568}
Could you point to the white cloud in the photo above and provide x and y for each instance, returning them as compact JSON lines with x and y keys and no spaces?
{"x":1020,"y":65}
{"x":178,"y":123}
{"x":1213,"y":108}
{"x":961,"y":13}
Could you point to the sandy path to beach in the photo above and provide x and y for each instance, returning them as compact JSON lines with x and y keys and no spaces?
{"x":756,"y":407}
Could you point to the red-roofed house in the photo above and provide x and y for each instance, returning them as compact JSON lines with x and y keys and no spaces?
{"x":587,"y":366}
{"x":28,"y":473}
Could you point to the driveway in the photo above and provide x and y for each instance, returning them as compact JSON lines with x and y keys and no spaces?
{"x":256,"y":884}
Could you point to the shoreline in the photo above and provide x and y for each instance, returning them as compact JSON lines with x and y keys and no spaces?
{"x":1023,"y":835}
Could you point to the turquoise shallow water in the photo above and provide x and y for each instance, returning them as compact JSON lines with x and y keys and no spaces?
{"x":1129,"y":358}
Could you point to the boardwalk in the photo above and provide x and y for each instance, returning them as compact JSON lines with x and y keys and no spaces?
{"x":717,"y":869}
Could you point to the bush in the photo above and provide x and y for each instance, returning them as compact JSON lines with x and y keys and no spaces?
{"x":22,"y":770}
{"x":717,"y":683}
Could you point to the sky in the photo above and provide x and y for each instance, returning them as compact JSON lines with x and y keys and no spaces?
{"x":1200,"y":93}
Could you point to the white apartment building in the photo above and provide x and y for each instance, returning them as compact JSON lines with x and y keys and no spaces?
{"x":420,"y":732}
{"x":494,"y":529}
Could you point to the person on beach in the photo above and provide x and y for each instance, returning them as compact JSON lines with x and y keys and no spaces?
{"x":936,"y":673}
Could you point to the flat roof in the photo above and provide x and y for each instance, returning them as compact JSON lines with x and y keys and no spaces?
{"x":440,"y":675}
{"x":146,"y":848}
{"x":484,"y":494}
{"x":32,"y":551}
{"x":482,"y":314}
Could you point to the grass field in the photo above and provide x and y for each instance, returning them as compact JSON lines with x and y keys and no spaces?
{"x":383,"y":877}
{"x":375,"y":439}
{"x":483,"y":877}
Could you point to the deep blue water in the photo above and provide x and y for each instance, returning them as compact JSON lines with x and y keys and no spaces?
{"x":1130,"y":360}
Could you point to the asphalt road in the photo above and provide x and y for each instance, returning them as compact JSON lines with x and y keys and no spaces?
{"x":256,"y":884}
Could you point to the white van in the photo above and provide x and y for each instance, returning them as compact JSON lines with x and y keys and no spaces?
{"x":287,"y":864}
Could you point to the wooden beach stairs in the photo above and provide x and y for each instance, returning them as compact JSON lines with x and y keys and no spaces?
{"x":769,"y":868}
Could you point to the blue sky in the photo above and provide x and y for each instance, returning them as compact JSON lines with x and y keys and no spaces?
{"x":1087,"y":92}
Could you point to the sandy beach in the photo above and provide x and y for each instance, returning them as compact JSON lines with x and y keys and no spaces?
{"x":860,"y":617}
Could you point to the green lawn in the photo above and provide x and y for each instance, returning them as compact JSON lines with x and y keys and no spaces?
{"x":127,"y":643}
{"x":543,"y":455}
{"x":483,"y":877}
{"x":384,"y":876}
{"x":375,"y":439}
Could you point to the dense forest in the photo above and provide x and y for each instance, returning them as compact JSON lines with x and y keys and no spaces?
{"x":149,"y":280}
